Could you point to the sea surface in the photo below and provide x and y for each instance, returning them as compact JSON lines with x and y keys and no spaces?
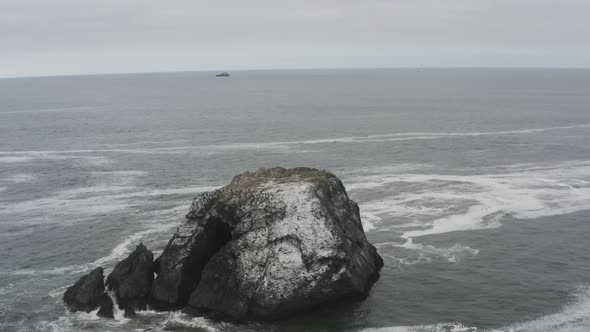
{"x":474,"y":185}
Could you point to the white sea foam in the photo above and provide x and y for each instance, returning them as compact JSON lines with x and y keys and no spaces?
{"x":404,"y":206}
{"x":427,"y":135}
{"x":76,"y":321}
{"x":75,"y":202}
{"x":392,"y":137}
{"x":368,"y":220}
{"x":277,"y":146}
{"x":26,"y":155}
{"x":118,"y":314}
{"x":6,"y":289}
{"x":68,"y":322}
{"x":127,"y":173}
{"x":178,"y":319}
{"x":19,"y":178}
{"x":14,"y":159}
{"x":125,"y":247}
{"x":574,"y":317}
{"x":103,"y":199}
{"x":145,"y":143}
{"x":415,"y":204}
{"x":442,"y":327}
{"x":116,"y":178}
{"x":158,"y":222}
{"x":451,"y":254}
{"x":45,"y":110}
{"x":121,"y":250}
{"x":58,"y":292}
{"x":479,"y":201}
{"x":94,"y":200}
{"x":24,"y":158}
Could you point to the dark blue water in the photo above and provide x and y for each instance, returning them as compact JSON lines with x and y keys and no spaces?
{"x":473,"y":184}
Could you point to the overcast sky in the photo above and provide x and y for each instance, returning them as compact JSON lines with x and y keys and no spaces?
{"x":56,"y":37}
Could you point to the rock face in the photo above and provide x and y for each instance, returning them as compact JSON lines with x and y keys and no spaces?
{"x":131,"y":279}
{"x":129,"y":313}
{"x":88,"y":293}
{"x":271,"y":243}
{"x":107,"y":310}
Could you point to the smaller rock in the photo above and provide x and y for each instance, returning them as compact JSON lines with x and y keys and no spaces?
{"x":131,"y":279}
{"x":88,"y":293}
{"x":129,"y":313}
{"x":106,"y":310}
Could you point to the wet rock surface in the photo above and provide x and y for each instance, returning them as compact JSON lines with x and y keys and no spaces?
{"x":131,"y":279}
{"x":88,"y":293}
{"x":271,"y":243}
{"x":107,"y":310}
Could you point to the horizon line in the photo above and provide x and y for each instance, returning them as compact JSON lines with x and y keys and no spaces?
{"x":155,"y":72}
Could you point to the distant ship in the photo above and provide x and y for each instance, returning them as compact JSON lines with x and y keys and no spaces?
{"x":224,"y":74}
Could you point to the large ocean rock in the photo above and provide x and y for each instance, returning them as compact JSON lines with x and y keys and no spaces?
{"x":88,"y":293}
{"x":131,"y":279}
{"x":271,"y":243}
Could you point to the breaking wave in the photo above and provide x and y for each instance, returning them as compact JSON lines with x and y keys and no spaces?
{"x":574,"y":317}
{"x":158,"y":322}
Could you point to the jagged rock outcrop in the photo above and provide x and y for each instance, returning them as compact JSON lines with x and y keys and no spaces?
{"x":88,"y":293}
{"x":131,"y":279}
{"x":107,"y":310}
{"x":271,"y":243}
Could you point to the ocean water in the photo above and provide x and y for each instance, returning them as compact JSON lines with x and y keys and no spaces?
{"x":473,"y":184}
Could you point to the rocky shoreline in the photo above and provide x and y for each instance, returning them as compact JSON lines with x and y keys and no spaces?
{"x":272,"y":243}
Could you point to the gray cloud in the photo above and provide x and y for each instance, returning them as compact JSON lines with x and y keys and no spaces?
{"x":40,"y":37}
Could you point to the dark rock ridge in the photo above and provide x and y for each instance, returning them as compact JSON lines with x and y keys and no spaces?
{"x":271,"y":243}
{"x":131,"y":279}
{"x":88,"y":293}
{"x":130,"y":282}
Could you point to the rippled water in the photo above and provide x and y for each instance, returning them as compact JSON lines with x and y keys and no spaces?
{"x":473,"y":184}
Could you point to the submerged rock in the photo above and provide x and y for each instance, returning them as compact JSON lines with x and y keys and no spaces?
{"x":88,"y":293}
{"x":271,"y":243}
{"x":131,"y":279}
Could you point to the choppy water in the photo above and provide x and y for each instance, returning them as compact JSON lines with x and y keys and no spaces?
{"x":473,"y":184}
